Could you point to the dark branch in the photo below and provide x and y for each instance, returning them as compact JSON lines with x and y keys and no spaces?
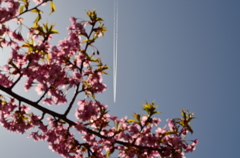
{"x":43,"y":95}
{"x":64,"y":118}
{"x":44,"y":1}
{"x":36,"y":105}
{"x":73,"y":100}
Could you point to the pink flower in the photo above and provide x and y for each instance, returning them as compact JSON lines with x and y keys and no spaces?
{"x":48,"y":101}
{"x":87,"y":110}
{"x":40,"y":88}
{"x":160,"y":131}
{"x":17,"y":36}
{"x":5,"y":81}
{"x":39,"y":1}
{"x":171,"y":124}
{"x":191,"y":147}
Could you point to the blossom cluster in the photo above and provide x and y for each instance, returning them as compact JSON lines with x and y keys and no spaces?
{"x":9,"y":10}
{"x":53,"y":70}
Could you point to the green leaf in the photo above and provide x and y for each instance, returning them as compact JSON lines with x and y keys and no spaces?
{"x":21,"y":9}
{"x":116,"y":126}
{"x":92,"y":15}
{"x":86,"y":40}
{"x":35,"y":10}
{"x":137,"y":117}
{"x":150,"y":108}
{"x":99,"y":19}
{"x":39,"y":17}
{"x":131,"y":120}
{"x":26,"y":4}
{"x":29,"y":45}
{"x":170,"y":132}
{"x":53,"y":7}
{"x":54,"y":32}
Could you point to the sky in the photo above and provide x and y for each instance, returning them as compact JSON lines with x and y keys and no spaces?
{"x":180,"y":54}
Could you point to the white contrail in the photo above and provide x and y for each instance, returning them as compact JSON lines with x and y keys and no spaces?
{"x":115,"y":48}
{"x":114,"y":38}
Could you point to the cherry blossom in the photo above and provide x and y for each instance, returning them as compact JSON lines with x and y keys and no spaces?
{"x":54,"y":70}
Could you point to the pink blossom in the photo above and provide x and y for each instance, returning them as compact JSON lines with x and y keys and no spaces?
{"x":17,"y":36}
{"x":39,"y":1}
{"x":52,"y":71}
{"x":5,"y":81}
{"x":40,"y":88}
{"x":48,"y":101}
{"x":171,"y":124}
{"x":86,"y":110}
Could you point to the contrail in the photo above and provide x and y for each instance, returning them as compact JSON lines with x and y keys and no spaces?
{"x":115,"y":48}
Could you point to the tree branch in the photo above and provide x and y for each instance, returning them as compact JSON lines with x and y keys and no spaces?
{"x":35,"y":105}
{"x":44,"y":1}
{"x":70,"y":122}
{"x":20,"y":75}
{"x":72,"y":101}
{"x":43,"y":95}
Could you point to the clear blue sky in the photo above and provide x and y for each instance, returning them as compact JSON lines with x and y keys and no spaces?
{"x":181,"y":54}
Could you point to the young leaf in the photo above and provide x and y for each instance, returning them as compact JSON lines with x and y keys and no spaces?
{"x":131,"y":120}
{"x":21,"y":9}
{"x":39,"y":17}
{"x":53,"y":7}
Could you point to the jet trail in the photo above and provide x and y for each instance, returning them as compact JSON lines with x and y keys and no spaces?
{"x":115,"y":48}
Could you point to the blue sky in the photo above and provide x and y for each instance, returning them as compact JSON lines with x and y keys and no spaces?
{"x":180,"y":54}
